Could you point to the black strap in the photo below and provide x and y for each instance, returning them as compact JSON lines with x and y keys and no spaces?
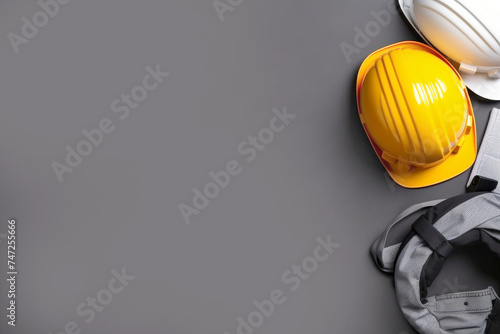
{"x":481,"y":183}
{"x":438,"y":211}
{"x":493,"y":322}
{"x":434,"y":239}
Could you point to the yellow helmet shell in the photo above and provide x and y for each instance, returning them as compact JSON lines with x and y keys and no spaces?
{"x":417,"y":114}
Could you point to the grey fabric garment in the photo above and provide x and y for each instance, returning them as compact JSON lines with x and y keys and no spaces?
{"x":488,"y":159}
{"x":484,"y":211}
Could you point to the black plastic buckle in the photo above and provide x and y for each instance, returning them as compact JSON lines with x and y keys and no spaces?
{"x":481,"y":183}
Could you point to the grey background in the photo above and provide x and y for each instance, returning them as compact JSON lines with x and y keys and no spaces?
{"x":119,"y":208}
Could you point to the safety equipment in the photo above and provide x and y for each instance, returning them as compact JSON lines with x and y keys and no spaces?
{"x":466,"y":31}
{"x":417,"y":243}
{"x":417,"y":114}
{"x":468,"y":222}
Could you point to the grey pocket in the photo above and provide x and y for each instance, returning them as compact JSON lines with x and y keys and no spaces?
{"x":464,"y":312}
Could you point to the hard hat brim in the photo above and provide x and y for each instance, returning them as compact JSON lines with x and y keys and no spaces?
{"x":418,"y":177}
{"x":455,"y":165}
{"x":480,"y":83}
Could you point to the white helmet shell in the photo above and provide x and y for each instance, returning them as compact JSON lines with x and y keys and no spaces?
{"x":467,"y":32}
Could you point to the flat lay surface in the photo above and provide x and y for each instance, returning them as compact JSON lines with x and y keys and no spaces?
{"x":191,"y":166}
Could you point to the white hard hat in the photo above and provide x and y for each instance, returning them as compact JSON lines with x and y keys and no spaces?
{"x":467,"y":32}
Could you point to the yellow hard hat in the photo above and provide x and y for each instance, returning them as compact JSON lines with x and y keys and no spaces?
{"x":417,"y":113}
